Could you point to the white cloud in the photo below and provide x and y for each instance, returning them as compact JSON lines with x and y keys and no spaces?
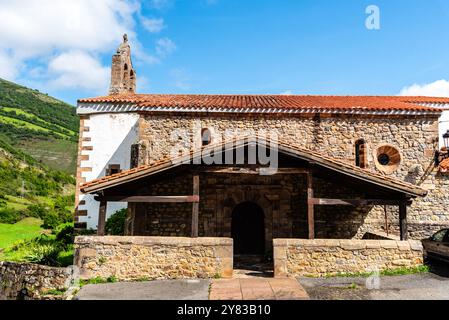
{"x":287,"y":93}
{"x":165,"y":46}
{"x":33,"y":28}
{"x":438,"y":88}
{"x":153,"y":25}
{"x":78,"y":69}
{"x":31,"y":31}
{"x":9,"y":66}
{"x":181,"y":78}
{"x":59,"y":43}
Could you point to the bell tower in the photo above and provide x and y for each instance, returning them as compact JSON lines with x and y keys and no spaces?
{"x":123,"y":75}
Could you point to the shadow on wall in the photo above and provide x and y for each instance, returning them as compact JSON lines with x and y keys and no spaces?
{"x":122,"y":154}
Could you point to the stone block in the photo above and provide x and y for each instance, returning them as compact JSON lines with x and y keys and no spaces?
{"x":224,"y":251}
{"x":279,"y":253}
{"x":353,"y":245}
{"x":403,"y":245}
{"x":389,"y":244}
{"x":332,"y":243}
{"x":372,"y":244}
{"x":280,"y":268}
{"x":416,"y":245}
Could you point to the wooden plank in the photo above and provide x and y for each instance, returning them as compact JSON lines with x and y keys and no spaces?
{"x":352,"y":202}
{"x":310,"y":206}
{"x":195,"y":206}
{"x":154,"y":199}
{"x":403,"y":221}
{"x":102,"y":217}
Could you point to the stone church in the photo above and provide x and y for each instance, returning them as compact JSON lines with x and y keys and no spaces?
{"x":258,"y":167}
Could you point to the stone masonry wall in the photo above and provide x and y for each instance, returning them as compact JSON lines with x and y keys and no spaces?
{"x":283,"y":199}
{"x":35,"y":279}
{"x":135,"y":258}
{"x":295,"y":258}
{"x":415,"y":137}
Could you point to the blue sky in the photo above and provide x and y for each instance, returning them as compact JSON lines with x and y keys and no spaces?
{"x":229,"y":46}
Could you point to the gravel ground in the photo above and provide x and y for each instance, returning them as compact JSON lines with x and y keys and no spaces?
{"x":151,"y":290}
{"x":427,"y":286}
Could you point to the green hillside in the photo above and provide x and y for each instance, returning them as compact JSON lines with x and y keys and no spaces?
{"x":39,"y":125}
{"x":38,"y":146}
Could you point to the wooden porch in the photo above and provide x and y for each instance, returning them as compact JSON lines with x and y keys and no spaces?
{"x":377,"y":190}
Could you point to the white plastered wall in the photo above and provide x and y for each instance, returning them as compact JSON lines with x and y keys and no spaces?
{"x":111,"y":138}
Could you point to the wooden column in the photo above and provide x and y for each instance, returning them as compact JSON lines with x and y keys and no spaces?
{"x":403,"y":220}
{"x":195,"y":206}
{"x":310,"y":206}
{"x":102,"y":217}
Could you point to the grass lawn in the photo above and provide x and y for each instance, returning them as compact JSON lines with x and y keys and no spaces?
{"x":23,"y":124}
{"x":17,"y":203}
{"x":32,"y":116}
{"x":25,"y":229}
{"x":19,"y":242}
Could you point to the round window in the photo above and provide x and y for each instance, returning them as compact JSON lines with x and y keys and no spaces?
{"x":383,"y":159}
{"x":387,"y":158}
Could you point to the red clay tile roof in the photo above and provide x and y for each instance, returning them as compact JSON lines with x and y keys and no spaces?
{"x":369,"y":103}
{"x":300,"y":152}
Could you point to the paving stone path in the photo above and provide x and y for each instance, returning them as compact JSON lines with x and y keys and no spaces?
{"x":257,"y":289}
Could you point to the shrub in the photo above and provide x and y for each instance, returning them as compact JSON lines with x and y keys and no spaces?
{"x":2,"y":200}
{"x":46,"y":254}
{"x":65,"y":233}
{"x":51,"y":217}
{"x":51,"y":220}
{"x":115,"y":225}
{"x":37,"y":211}
{"x":86,"y":232}
{"x":65,"y":258}
{"x":8,"y":215}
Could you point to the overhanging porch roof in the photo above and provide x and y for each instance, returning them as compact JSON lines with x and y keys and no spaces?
{"x":297,"y":152}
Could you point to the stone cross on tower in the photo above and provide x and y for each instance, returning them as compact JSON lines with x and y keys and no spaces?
{"x":123,"y":75}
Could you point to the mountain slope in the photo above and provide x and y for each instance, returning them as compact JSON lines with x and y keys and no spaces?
{"x":39,"y":125}
{"x":38,"y":147}
{"x":31,"y":189}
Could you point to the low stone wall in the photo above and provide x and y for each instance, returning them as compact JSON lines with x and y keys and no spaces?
{"x":135,"y":258}
{"x":294,"y":257}
{"x":30,"y":281}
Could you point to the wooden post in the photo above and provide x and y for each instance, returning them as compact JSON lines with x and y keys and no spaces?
{"x":403,"y":220}
{"x":195,"y":206}
{"x":310,"y":206}
{"x":101,"y":217}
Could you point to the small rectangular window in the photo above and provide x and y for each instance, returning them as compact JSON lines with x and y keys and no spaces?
{"x":113,"y":169}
